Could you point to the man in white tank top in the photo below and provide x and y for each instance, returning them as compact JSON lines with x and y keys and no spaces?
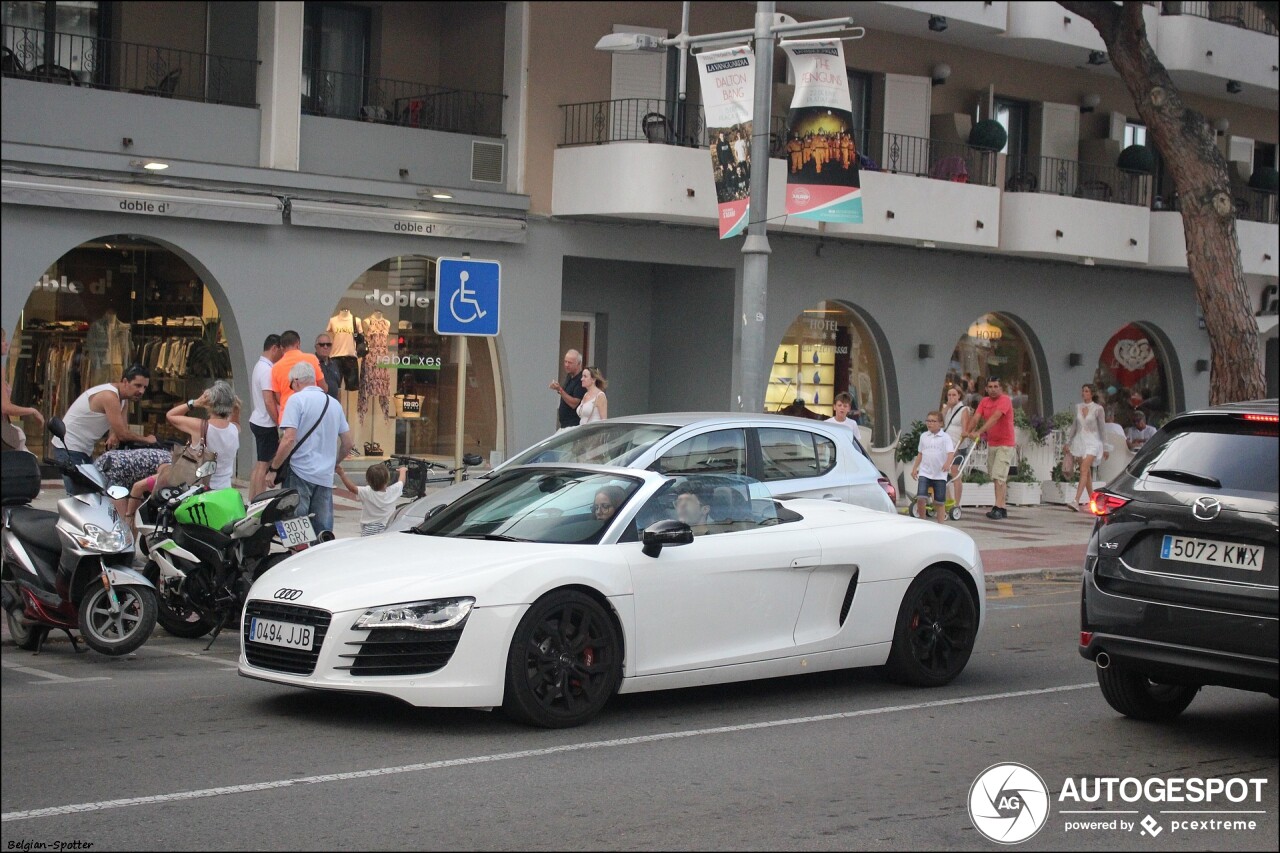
{"x":98,"y":412}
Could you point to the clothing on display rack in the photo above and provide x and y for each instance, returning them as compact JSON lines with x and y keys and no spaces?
{"x":342,"y":327}
{"x":375,"y":378}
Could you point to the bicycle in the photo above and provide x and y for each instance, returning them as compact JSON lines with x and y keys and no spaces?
{"x":420,"y":472}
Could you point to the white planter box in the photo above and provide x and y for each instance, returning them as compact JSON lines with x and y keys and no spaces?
{"x":1024,"y":494}
{"x":1039,"y":457}
{"x":1052,"y":492}
{"x":978,"y":494}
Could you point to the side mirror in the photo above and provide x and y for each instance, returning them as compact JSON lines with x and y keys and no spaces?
{"x":666,"y":532}
{"x":57,"y":428}
{"x":206,"y":469}
{"x":117,"y":492}
{"x":472,"y":459}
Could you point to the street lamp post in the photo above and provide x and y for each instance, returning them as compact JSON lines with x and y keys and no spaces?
{"x":749,"y":379}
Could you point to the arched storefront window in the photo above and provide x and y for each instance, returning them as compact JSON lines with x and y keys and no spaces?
{"x":401,"y":395}
{"x":827,"y":350}
{"x":103,"y":306}
{"x":1133,"y":374}
{"x":993,"y":345}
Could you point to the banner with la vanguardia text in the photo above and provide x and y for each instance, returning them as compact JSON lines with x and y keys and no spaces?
{"x":728,"y":95}
{"x":821,"y":151}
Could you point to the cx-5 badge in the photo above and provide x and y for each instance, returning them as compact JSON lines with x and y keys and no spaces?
{"x":1206,"y":509}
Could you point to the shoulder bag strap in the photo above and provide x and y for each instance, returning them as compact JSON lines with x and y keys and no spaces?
{"x":308,"y":435}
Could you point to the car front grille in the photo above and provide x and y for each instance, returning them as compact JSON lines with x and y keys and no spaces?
{"x":277,"y":658}
{"x":403,"y":651}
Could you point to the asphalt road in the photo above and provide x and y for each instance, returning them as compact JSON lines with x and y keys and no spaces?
{"x":170,"y":749}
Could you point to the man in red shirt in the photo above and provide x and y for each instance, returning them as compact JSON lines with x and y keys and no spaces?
{"x":995,"y":420}
{"x":291,"y":343}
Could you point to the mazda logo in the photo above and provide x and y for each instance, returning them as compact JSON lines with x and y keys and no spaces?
{"x":288,"y":594}
{"x":1206,"y":509}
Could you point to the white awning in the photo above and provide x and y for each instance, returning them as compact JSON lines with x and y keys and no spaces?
{"x":140,"y":199}
{"x":412,"y":223}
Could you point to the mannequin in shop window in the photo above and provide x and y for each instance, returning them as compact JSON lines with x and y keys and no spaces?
{"x":342,"y":328}
{"x":375,"y":377}
{"x":107,"y":344}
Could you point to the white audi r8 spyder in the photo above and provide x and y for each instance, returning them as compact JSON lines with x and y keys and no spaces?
{"x":552,"y":587}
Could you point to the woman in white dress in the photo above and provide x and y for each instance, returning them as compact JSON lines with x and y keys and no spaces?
{"x":955,"y":423}
{"x":1085,"y":443}
{"x":594,"y":405}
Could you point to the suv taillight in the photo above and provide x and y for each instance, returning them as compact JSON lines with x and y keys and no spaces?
{"x":888,"y":488}
{"x":1103,"y":504}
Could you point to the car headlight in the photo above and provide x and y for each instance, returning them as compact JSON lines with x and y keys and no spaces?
{"x":94,"y":537}
{"x":418,"y":615}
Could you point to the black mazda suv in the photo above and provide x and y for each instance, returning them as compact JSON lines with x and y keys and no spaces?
{"x":1180,"y":574}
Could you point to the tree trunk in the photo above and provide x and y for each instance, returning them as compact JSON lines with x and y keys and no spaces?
{"x":1208,"y":211}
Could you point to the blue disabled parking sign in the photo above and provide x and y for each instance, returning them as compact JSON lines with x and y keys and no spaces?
{"x":467,"y":297}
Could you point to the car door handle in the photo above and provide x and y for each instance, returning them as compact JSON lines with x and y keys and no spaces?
{"x":805,"y":562}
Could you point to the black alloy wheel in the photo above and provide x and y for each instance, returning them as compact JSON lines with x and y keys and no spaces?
{"x":935,"y":631}
{"x":565,"y":661}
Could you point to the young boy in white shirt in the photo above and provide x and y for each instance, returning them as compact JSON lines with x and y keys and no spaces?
{"x":842,"y":406}
{"x":377,"y":500}
{"x":931,"y":465}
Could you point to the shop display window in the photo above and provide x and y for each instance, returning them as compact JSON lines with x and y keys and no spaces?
{"x":994,"y":346}
{"x":1133,"y":374}
{"x":103,"y":306}
{"x":403,"y":392}
{"x":827,"y":350}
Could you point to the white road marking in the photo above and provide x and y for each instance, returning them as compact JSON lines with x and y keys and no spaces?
{"x":47,"y":677}
{"x":81,"y":808}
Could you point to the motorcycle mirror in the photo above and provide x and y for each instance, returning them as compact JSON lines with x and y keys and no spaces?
{"x":117,"y":492}
{"x":57,"y":428}
{"x":206,"y":469}
{"x":472,"y":459}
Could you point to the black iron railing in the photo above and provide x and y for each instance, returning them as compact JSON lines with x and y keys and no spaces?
{"x":654,"y":120}
{"x":1245,"y":15}
{"x":1256,"y":205}
{"x":379,"y":99}
{"x":120,"y":66}
{"x":1082,"y":180}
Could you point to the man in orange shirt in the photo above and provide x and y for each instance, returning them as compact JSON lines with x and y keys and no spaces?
{"x":291,"y":343}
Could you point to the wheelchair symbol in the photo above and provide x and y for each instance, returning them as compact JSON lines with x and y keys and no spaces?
{"x":465,"y":295}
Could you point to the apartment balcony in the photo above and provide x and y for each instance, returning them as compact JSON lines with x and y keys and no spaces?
{"x":1066,"y":210}
{"x":1046,"y":32}
{"x":1205,"y":45}
{"x":1256,"y":230}
{"x":617,"y":160}
{"x":964,"y":20}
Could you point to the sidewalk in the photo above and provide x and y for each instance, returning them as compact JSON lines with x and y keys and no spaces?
{"x":1048,"y":537}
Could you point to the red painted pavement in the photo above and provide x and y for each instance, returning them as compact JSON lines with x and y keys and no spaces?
{"x":1024,"y":559}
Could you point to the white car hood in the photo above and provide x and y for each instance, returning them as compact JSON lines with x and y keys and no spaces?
{"x":398,"y":567}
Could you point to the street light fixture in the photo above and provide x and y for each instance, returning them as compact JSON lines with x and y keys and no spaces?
{"x":749,"y":378}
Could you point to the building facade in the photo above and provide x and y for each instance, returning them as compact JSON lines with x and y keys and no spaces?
{"x":322,"y":157}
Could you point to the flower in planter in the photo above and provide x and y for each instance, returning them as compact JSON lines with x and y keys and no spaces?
{"x":1037,"y":426}
{"x":975,"y":476}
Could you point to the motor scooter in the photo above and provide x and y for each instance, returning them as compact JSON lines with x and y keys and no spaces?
{"x":70,"y":569}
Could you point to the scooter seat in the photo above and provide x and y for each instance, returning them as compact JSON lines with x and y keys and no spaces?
{"x":38,"y":531}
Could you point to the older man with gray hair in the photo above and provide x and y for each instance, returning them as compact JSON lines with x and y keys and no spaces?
{"x":314,"y":438}
{"x":570,"y":391}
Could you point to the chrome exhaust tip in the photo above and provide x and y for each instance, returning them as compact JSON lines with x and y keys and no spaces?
{"x":1103,"y":660}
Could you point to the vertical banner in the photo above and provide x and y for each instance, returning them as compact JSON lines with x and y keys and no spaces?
{"x":822,"y":154}
{"x":728,"y":96}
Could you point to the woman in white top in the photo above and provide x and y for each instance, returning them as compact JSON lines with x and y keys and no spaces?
{"x":955,"y":423}
{"x":1085,"y":442}
{"x":594,"y":405}
{"x":223,"y":437}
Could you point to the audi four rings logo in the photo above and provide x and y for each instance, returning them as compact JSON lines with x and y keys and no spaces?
{"x":1206,"y":509}
{"x":288,"y":594}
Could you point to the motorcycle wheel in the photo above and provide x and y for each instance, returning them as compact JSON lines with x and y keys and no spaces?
{"x":125,"y":632}
{"x":181,"y":619}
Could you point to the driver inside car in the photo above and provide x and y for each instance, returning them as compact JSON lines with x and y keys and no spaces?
{"x":693,"y":507}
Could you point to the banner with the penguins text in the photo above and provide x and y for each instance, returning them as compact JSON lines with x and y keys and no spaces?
{"x":821,"y":150}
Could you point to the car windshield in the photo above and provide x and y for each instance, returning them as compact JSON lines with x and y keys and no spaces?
{"x":1240,"y":460}
{"x":601,"y":443}
{"x":561,"y":505}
